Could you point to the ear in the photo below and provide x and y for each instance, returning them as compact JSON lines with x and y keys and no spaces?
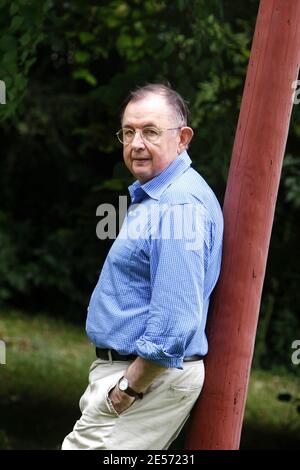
{"x":186,"y":135}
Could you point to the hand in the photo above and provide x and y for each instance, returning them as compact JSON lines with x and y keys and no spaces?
{"x":120,"y":400}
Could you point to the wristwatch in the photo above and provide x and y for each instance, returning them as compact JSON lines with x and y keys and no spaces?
{"x":124,"y":387}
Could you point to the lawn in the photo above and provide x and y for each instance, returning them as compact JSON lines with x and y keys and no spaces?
{"x":46,"y":369}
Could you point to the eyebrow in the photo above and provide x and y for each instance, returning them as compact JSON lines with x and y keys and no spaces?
{"x":148,"y":124}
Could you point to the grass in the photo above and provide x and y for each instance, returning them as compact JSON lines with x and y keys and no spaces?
{"x":46,"y":370}
{"x":45,"y":374}
{"x":269,"y":422}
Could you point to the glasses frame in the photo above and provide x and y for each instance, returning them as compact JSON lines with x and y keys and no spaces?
{"x":140,"y":131}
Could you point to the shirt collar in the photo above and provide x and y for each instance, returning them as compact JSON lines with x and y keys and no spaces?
{"x":157,"y":185}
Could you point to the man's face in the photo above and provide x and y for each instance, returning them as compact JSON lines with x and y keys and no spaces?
{"x":143,"y":159}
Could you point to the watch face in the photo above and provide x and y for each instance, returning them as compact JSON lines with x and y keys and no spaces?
{"x":123,"y":384}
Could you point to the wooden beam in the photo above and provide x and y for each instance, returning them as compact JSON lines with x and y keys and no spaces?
{"x":249,"y":206}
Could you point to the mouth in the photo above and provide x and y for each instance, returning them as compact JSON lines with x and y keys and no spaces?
{"x":141,"y":159}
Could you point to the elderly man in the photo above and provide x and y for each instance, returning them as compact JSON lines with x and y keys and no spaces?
{"x":148,"y":311}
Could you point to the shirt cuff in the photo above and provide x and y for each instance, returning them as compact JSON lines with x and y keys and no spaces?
{"x":148,"y":350}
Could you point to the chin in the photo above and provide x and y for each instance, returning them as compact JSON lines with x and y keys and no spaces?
{"x":143,"y":178}
{"x":141,"y":175}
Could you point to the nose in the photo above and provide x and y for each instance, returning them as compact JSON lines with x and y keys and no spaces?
{"x":137,"y":141}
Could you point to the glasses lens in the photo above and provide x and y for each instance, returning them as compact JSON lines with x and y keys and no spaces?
{"x":151,"y":134}
{"x":126,"y":135}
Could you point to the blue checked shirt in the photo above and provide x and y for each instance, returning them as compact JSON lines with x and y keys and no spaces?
{"x":153,"y":292}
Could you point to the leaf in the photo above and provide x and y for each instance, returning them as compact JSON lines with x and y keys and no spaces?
{"x":24,"y":55}
{"x":86,"y":37}
{"x":16,"y":23}
{"x":20,"y":82}
{"x":25,"y":39}
{"x":9,"y":61}
{"x":28,"y":64}
{"x":14,"y":8}
{"x":7,"y":42}
{"x":10,"y":57}
{"x":81,"y":57}
{"x":86,"y":75}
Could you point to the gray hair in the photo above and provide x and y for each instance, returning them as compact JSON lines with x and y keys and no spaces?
{"x":175,"y":101}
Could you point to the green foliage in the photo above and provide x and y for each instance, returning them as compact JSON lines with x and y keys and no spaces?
{"x":292,"y":180}
{"x":21,"y":25}
{"x":4,"y":441}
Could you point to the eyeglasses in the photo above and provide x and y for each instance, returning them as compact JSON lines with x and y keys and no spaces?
{"x":150,"y":134}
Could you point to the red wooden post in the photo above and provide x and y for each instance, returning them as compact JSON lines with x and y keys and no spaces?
{"x":248,"y":212}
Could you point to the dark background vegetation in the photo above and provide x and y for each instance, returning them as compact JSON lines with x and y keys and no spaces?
{"x":67,"y":67}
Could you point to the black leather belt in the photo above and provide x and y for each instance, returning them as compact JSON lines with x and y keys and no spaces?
{"x":112,"y":355}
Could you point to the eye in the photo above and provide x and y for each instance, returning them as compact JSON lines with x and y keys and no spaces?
{"x":150,"y":132}
{"x":128,"y":133}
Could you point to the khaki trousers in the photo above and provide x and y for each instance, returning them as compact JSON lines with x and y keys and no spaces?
{"x":151,"y":423}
